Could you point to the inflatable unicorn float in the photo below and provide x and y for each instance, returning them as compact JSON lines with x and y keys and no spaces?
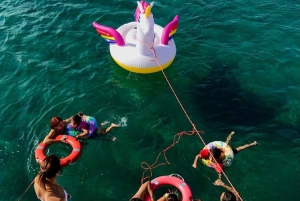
{"x":141,"y":46}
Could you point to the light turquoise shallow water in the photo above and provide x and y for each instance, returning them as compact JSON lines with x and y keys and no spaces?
{"x":236,"y":68}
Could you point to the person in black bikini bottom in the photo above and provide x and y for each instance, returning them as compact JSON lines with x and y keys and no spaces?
{"x":143,"y":190}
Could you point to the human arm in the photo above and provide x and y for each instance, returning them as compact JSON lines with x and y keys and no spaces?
{"x":195,"y":161}
{"x":49,"y":139}
{"x":150,"y":191}
{"x":83,"y":134}
{"x":68,"y":120}
{"x":144,"y":188}
{"x":219,"y":175}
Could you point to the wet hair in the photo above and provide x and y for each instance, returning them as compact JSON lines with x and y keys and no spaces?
{"x":50,"y":166}
{"x":172,"y":197}
{"x":76,"y":119}
{"x":229,"y":196}
{"x":216,"y":152}
{"x":80,"y":114}
{"x":55,"y":121}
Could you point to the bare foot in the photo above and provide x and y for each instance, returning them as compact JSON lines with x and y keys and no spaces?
{"x":218,"y":182}
{"x":104,"y":123}
{"x":113,"y":139}
{"x":194,"y":165}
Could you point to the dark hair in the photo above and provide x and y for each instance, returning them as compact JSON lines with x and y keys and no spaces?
{"x":216,"y":152}
{"x":172,"y":197}
{"x":50,"y":166}
{"x":55,"y":121}
{"x":76,"y":118}
{"x":229,"y":196}
{"x":80,"y":114}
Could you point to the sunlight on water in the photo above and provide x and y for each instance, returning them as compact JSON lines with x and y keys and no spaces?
{"x":236,"y":68}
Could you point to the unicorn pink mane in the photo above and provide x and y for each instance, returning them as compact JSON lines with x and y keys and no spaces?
{"x":138,"y":12}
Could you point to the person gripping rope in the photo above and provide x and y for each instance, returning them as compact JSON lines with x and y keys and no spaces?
{"x":230,"y":195}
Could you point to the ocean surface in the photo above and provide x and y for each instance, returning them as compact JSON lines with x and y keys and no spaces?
{"x":237,"y":68}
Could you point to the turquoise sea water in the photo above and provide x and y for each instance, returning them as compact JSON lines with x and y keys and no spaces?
{"x":237,"y":68}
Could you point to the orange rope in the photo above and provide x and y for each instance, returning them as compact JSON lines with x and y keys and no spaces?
{"x":26,"y":190}
{"x":189,"y":119}
{"x":147,"y":167}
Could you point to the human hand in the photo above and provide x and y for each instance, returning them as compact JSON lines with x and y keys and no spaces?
{"x":63,"y":139}
{"x":194,"y":165}
{"x":218,"y":182}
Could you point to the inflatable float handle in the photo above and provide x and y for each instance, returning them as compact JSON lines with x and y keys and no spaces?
{"x":167,"y":30}
{"x":119,"y":39}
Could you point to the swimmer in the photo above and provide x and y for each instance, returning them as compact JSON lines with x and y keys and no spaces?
{"x":219,"y":154}
{"x":58,"y":127}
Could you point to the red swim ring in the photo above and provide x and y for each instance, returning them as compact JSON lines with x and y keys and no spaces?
{"x":40,"y":155}
{"x":173,"y":181}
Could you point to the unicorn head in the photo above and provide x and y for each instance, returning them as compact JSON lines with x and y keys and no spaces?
{"x":145,"y":28}
{"x":145,"y":17}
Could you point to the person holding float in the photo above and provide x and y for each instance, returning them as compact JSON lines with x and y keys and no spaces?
{"x":83,"y":126}
{"x":144,"y":189}
{"x":58,"y":127}
{"x":175,"y":181}
{"x":222,"y":154}
{"x":141,"y":46}
{"x":58,"y":134}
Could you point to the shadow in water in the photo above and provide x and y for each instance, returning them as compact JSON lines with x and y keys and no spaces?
{"x":220,"y":98}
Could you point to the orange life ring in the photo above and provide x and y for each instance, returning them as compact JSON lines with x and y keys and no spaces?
{"x":40,"y":150}
{"x":173,"y":181}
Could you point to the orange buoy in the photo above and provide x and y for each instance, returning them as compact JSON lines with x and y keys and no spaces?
{"x":40,"y":150}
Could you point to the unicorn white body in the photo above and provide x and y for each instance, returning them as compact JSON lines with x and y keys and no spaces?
{"x":139,"y":46}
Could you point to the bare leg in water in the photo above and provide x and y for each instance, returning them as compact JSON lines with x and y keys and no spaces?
{"x":241,"y":147}
{"x":246,"y":146}
{"x":105,"y":131}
